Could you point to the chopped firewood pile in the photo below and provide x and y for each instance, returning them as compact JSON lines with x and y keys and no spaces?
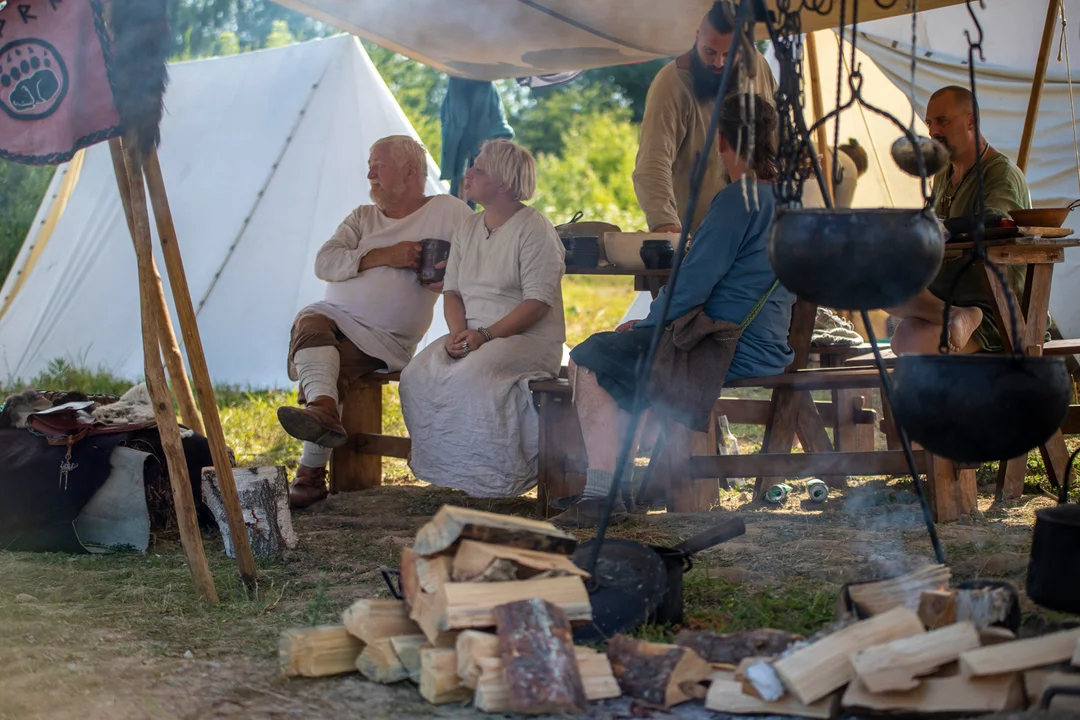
{"x":490,"y":602}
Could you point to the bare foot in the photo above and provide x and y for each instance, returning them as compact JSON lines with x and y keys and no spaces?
{"x":963,"y":322}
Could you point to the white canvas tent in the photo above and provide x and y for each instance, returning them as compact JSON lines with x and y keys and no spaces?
{"x":263,"y":155}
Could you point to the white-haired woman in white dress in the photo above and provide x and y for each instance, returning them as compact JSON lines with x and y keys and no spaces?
{"x":465,"y":398}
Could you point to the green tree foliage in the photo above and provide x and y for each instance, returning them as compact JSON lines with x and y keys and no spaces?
{"x":418,"y":89}
{"x":197,"y":25}
{"x":593,"y":173}
{"x":280,"y":35}
{"x":227,"y":44}
{"x":21,"y":189}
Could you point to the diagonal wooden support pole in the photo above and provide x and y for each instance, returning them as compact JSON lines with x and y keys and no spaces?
{"x":167,"y":427}
{"x":174,"y":361}
{"x":189,"y":328}
{"x":1037,"y":83}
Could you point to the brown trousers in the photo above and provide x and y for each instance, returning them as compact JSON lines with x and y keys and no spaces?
{"x":311,"y":330}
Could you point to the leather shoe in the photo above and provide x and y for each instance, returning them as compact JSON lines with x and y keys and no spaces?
{"x":317,"y":423}
{"x":308,"y":488}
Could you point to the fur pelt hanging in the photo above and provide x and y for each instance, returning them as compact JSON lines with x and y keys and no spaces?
{"x":141,"y":46}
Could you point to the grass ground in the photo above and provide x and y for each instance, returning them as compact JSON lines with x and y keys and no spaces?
{"x":123,"y":635}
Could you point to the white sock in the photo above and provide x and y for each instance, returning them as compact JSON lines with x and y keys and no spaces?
{"x":315,"y":455}
{"x":318,"y":368}
{"x":597,"y":483}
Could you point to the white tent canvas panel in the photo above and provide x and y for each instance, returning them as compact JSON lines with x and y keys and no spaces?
{"x":263,"y":155}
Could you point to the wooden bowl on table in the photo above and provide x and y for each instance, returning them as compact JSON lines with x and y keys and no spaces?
{"x":1042,"y":217}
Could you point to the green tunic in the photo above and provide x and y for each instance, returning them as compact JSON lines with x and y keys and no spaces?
{"x":1005,"y":189}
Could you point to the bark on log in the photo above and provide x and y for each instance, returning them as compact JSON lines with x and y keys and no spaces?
{"x":658,"y":675}
{"x":264,"y":502}
{"x":733,"y":648}
{"x":537,"y":649}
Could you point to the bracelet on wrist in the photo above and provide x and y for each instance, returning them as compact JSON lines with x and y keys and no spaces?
{"x":485,"y":332}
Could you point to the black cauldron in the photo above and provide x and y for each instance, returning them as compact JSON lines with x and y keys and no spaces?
{"x":861,"y":259}
{"x":979,"y":408}
{"x":1053,"y":576}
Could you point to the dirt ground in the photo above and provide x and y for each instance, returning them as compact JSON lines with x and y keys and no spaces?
{"x":122,"y":636}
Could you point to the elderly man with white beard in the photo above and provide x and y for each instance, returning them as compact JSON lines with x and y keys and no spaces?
{"x":375,"y":310}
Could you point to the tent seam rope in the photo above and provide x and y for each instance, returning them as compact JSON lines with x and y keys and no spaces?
{"x":262,"y":190}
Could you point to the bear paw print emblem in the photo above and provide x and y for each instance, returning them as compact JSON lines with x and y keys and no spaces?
{"x":33,"y":79}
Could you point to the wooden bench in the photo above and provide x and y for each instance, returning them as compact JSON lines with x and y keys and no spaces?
{"x":357,"y":465}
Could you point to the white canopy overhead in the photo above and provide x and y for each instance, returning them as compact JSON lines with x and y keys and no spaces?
{"x":263,"y":155}
{"x":493,"y":39}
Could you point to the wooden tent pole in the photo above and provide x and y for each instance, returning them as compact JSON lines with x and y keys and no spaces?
{"x":185,"y":310}
{"x":169,"y":431}
{"x":1037,"y":85}
{"x":174,"y":361}
{"x":818,"y":105}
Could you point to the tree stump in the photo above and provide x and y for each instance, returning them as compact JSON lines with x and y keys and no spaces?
{"x":264,"y":499}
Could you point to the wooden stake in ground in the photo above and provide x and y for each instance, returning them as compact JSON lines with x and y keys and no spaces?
{"x":219,"y":451}
{"x":174,"y":361}
{"x":537,"y":651}
{"x":894,"y":666}
{"x":168,"y":430}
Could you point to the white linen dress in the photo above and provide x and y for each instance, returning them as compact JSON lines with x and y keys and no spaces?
{"x":472,"y":422}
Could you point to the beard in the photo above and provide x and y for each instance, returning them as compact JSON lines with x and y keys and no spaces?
{"x":706,"y":83}
{"x":382,"y":195}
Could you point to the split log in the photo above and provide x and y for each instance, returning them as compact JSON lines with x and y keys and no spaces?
{"x":1020,"y":655}
{"x":880,"y":596}
{"x":492,"y":694}
{"x":726,"y":696}
{"x":476,"y":560}
{"x":1036,"y":683}
{"x":814,"y":671}
{"x":983,"y":607}
{"x":467,"y":605}
{"x":659,"y":675}
{"x":372,"y":620}
{"x":407,"y":648}
{"x":379,"y":663}
{"x":760,"y":679}
{"x":432,"y":573}
{"x":472,"y":645}
{"x":732,"y":648}
{"x":937,"y":608}
{"x":537,"y":650}
{"x":894,"y":666}
{"x":451,"y":524}
{"x":439,"y":682}
{"x":264,"y":503}
{"x":410,"y":578}
{"x":318,"y":651}
{"x":954,"y":694}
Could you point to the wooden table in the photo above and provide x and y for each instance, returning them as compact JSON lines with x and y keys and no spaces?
{"x":645,"y":280}
{"x":1039,"y":256}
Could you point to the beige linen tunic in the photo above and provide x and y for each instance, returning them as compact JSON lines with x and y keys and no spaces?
{"x":472,"y":422}
{"x":384,"y":311}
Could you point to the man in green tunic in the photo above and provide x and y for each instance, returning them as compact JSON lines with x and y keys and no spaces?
{"x":950,"y":117}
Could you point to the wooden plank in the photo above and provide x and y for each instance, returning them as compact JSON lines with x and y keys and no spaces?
{"x":1010,"y":478}
{"x":381,"y":445}
{"x":726,"y":696}
{"x":380,"y":663}
{"x":1005,"y":255}
{"x":1037,"y":82}
{"x":733,"y":648}
{"x":656,"y":674}
{"x":1055,"y":458}
{"x":943,"y":488}
{"x":747,"y":411}
{"x":889,"y":462}
{"x":1020,"y":655}
{"x":451,"y":524}
{"x":816,"y":379}
{"x":361,"y":414}
{"x":1071,"y":426}
{"x":318,"y":651}
{"x":953,"y":694}
{"x":687,"y":491}
{"x":371,"y":620}
{"x":472,"y":605}
{"x":895,"y":666}
{"x":823,"y":667}
{"x":539,"y":665}
{"x":439,"y":682}
{"x":473,"y":559}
